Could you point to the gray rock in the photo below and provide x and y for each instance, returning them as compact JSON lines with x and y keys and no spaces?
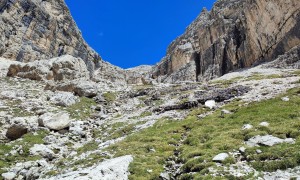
{"x":247,"y":127}
{"x":16,"y":132}
{"x":221,"y":157}
{"x":265,"y":124}
{"x":116,"y":168}
{"x":286,"y":99}
{"x":9,"y":176}
{"x":258,"y":151}
{"x":56,"y":69}
{"x":201,"y":54}
{"x":267,"y":140}
{"x":164,"y":176}
{"x":64,"y":99}
{"x":42,"y":150}
{"x":242,"y":149}
{"x":57,"y":121}
{"x":87,"y":89}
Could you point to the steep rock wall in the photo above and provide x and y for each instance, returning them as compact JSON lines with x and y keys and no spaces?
{"x":234,"y":34}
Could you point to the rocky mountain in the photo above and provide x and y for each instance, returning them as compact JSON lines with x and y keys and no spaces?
{"x":235,"y":34}
{"x":66,"y":114}
{"x":33,"y":30}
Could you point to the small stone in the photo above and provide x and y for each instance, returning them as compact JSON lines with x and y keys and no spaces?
{"x":265,"y":124}
{"x":211,"y":104}
{"x":247,"y":127}
{"x":242,"y":149}
{"x":164,"y":176}
{"x":258,"y":151}
{"x":8,"y":176}
{"x":16,"y":132}
{"x":286,"y":99}
{"x":149,"y":170}
{"x":220,"y":157}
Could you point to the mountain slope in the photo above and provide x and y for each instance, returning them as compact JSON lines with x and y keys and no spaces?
{"x":234,"y":34}
{"x":36,"y":29}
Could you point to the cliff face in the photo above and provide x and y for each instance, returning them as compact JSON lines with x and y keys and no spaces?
{"x":234,"y":34}
{"x":42,"y":29}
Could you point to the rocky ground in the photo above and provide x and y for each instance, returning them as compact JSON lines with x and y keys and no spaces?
{"x":52,"y":134}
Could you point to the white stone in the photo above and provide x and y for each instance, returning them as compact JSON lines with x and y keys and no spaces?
{"x":8,"y":176}
{"x":55,"y":121}
{"x":242,"y":149}
{"x":267,"y":140}
{"x":210,"y":104}
{"x":112,"y":169}
{"x":247,"y":127}
{"x":265,"y":124}
{"x":64,"y":99}
{"x":41,"y":149}
{"x":220,"y":157}
{"x":285,"y":99}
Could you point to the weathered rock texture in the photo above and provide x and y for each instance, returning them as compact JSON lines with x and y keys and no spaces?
{"x":36,"y":29}
{"x":233,"y":35}
{"x":32,"y":30}
{"x":56,"y":69}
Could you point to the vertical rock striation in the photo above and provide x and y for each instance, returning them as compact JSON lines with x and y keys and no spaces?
{"x":234,"y":34}
{"x":33,"y":30}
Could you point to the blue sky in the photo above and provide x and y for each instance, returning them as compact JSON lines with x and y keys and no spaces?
{"x":129,"y":33}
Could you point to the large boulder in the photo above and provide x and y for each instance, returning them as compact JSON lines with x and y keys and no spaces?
{"x":57,"y":69}
{"x":116,"y":168}
{"x":42,"y":150}
{"x":16,"y":131}
{"x":56,"y":121}
{"x":64,"y":99}
{"x":267,"y":140}
{"x":78,"y":87}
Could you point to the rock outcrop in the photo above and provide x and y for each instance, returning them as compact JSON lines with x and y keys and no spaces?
{"x":234,"y":34}
{"x":36,"y":29}
{"x":33,"y":30}
{"x":56,"y":69}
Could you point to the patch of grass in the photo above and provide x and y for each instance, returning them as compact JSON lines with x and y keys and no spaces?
{"x":26,"y":142}
{"x":212,"y":135}
{"x":110,"y":96}
{"x":145,"y":114}
{"x":81,"y":110}
{"x":257,"y":76}
{"x":297,"y":72}
{"x":226,"y":83}
{"x":91,"y":146}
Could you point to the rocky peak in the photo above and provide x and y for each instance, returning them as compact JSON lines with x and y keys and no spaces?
{"x":33,"y":30}
{"x":234,"y":34}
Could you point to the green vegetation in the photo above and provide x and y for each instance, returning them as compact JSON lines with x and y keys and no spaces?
{"x":205,"y":138}
{"x":26,"y":142}
{"x":227,"y":83}
{"x":257,"y":76}
{"x":145,"y":114}
{"x":297,"y":72}
{"x":110,"y":96}
{"x":82,"y":109}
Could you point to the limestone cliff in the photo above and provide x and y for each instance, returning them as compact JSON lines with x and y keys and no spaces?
{"x":234,"y":34}
{"x":42,"y":29}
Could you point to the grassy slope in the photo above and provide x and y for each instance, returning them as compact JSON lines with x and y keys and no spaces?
{"x":207,"y":137}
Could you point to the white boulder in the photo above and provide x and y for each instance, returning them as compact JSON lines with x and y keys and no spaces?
{"x":211,"y":104}
{"x":57,"y":121}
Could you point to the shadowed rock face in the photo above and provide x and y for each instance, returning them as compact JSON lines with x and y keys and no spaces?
{"x":234,"y":35}
{"x":37,"y":29}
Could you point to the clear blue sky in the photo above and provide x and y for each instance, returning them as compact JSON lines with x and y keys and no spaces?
{"x":129,"y":33}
